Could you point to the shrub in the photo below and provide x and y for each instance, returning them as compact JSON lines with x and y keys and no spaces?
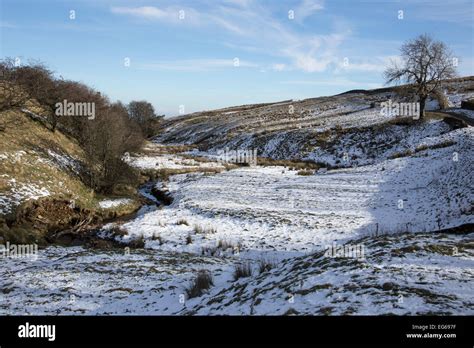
{"x":182,"y":222}
{"x":305,"y":172}
{"x":242,"y":271}
{"x":143,"y":113}
{"x":202,"y":282}
{"x":189,"y":239}
{"x":264,"y":266}
{"x":157,"y":237}
{"x":36,"y":80}
{"x":201,"y":230}
{"x":224,"y":245}
{"x":137,"y":243}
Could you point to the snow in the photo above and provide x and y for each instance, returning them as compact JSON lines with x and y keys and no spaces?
{"x":64,"y":161}
{"x":112,"y":203}
{"x":77,"y":281}
{"x":465,"y":112}
{"x":16,"y":192}
{"x":275,"y":209}
{"x":371,"y":146}
{"x":394,"y":187}
{"x":19,"y":193}
{"x":457,"y":97}
{"x":169,"y":162}
{"x":400,"y":275}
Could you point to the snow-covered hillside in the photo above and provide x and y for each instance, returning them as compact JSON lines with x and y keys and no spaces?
{"x":401,"y":275}
{"x":30,"y":169}
{"x":306,"y":129}
{"x":274,"y":208}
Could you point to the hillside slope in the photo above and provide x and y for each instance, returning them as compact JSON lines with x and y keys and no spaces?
{"x":37,"y":163}
{"x":319,"y":129}
{"x":40,"y":178}
{"x":398,"y":275}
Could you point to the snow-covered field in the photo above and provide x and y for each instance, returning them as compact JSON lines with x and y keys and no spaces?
{"x":75,"y":281}
{"x":388,"y":212}
{"x":168,"y":162}
{"x":111,"y":203}
{"x":275,"y":209}
{"x":403,"y":275}
{"x":464,"y":112}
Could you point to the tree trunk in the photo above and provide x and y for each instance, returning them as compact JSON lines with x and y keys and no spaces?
{"x":422,"y":107}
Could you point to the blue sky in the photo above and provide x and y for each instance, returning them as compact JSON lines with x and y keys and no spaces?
{"x":228,"y":52}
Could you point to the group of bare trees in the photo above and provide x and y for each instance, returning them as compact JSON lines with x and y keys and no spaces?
{"x":115,"y":130}
{"x":143,"y":113}
{"x":18,"y":83}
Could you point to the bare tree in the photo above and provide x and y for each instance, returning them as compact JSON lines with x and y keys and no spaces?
{"x":425,"y":64}
{"x":143,"y":113}
{"x":33,"y":79}
{"x":11,"y":95}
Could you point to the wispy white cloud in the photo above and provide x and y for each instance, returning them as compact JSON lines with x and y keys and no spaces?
{"x":370,"y":64}
{"x":171,"y":14}
{"x":306,"y":52}
{"x":228,"y":25}
{"x":145,"y":12}
{"x":196,"y":65}
{"x":279,"y":67}
{"x":315,"y":54}
{"x":334,"y":82}
{"x":276,"y":36}
{"x":307,"y":8}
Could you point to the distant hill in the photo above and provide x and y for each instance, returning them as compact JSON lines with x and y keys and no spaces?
{"x":294,"y":129}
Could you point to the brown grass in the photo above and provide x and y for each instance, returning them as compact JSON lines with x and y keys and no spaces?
{"x":297,"y":165}
{"x":242,"y":271}
{"x":201,"y":283}
{"x":182,"y":222}
{"x":204,"y":230}
{"x":305,"y":172}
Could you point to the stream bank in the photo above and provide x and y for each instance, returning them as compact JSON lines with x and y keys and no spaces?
{"x":51,"y":221}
